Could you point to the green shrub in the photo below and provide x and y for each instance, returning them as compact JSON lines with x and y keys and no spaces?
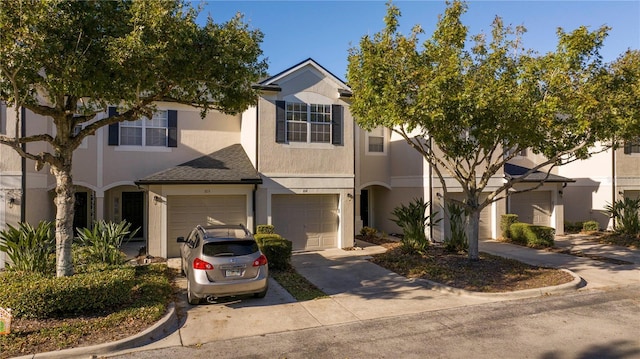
{"x":591,"y":226}
{"x":34,"y":295}
{"x":261,"y":237}
{"x":531,"y":235}
{"x":505,"y":223}
{"x":102,"y":243}
{"x":573,"y":227}
{"x":457,"y":241}
{"x":278,"y":252}
{"x":368,"y":232}
{"x":414,"y":220}
{"x":29,"y":248}
{"x":265,"y":229}
{"x":625,"y":214}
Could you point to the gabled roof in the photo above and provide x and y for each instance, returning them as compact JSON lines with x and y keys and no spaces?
{"x":512,"y":171}
{"x":230,"y":165}
{"x":271,"y":83}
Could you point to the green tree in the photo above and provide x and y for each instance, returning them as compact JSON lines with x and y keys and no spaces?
{"x":469,"y":104}
{"x":68,"y":60}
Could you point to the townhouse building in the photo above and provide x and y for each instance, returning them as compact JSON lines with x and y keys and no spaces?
{"x":297,"y":160}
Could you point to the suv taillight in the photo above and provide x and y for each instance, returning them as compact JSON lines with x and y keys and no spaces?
{"x":261,"y":261}
{"x":200,"y":264}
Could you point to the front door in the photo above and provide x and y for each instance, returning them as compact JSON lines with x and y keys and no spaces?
{"x":364,"y":207}
{"x":80,"y":210}
{"x":133,"y":211}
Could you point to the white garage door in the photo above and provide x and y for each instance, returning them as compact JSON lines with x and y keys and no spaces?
{"x":485,"y":217}
{"x":532,"y":207}
{"x":185,"y":212}
{"x":309,"y":221}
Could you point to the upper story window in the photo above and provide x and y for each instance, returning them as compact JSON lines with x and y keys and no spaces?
{"x":159,"y":131}
{"x":632,"y":146}
{"x":308,"y":123}
{"x":511,"y":151}
{"x":375,"y":140}
{"x":145,"y":132}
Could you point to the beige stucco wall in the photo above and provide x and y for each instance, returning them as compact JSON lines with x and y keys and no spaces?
{"x":303,"y":158}
{"x":196,"y":137}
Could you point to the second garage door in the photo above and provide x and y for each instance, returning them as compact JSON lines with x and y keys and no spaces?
{"x":185,"y":212}
{"x":309,"y":221}
{"x":532,"y":207}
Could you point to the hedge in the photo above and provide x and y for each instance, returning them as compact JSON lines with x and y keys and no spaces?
{"x":277,"y":249}
{"x":531,"y":235}
{"x":506,"y":222}
{"x":32,"y":295}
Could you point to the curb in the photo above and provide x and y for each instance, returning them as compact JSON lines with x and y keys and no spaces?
{"x":574,"y":285}
{"x":159,"y":330}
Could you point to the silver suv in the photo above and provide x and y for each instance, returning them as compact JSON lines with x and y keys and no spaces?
{"x":220,"y":261}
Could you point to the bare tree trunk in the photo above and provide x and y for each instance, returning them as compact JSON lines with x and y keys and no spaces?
{"x":64,"y":201}
{"x":473,"y":228}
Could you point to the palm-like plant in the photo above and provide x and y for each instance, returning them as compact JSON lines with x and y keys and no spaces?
{"x":625,"y":214}
{"x":414,"y":220}
{"x":102,"y":243}
{"x":29,"y":248}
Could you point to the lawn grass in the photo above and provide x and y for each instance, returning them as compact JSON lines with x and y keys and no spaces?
{"x":297,"y":285}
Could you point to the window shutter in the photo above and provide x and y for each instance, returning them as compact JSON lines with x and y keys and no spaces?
{"x":172,"y":135}
{"x":336,"y":124}
{"x":281,"y":124}
{"x":627,"y":147}
{"x":114,"y":128}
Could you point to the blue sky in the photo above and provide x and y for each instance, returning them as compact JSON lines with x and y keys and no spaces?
{"x":325,"y":30}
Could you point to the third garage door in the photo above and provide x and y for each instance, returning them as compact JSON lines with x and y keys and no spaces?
{"x":532,"y":207}
{"x":309,"y":221}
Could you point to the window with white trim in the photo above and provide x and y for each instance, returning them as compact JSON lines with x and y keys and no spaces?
{"x":375,"y":140}
{"x":308,"y":122}
{"x":145,"y":131}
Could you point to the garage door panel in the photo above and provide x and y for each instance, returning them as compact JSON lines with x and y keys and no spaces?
{"x":185,"y":212}
{"x":532,"y":207}
{"x":485,"y":217}
{"x":309,"y":221}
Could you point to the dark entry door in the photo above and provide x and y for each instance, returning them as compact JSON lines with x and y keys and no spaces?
{"x":80,"y":210}
{"x":364,"y":207}
{"x":133,"y":211}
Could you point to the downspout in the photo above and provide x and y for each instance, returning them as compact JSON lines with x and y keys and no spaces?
{"x":23,"y":195}
{"x":255,"y":186}
{"x":613,"y":183}
{"x":430,"y":195}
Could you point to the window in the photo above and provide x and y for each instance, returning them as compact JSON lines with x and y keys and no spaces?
{"x":145,"y":132}
{"x":375,"y":140}
{"x":159,"y":131}
{"x":632,"y":146}
{"x":308,"y":123}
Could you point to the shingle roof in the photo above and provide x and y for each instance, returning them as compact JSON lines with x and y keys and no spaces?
{"x":512,"y":171}
{"x":230,"y":165}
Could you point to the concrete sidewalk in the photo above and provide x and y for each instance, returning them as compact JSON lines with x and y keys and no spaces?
{"x":359,"y":290}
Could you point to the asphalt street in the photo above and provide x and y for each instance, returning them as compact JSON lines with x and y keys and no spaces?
{"x":587,"y":324}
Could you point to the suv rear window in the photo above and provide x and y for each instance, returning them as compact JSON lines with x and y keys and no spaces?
{"x":229,"y":248}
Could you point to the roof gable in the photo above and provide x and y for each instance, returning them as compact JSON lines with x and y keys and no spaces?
{"x":272,"y":82}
